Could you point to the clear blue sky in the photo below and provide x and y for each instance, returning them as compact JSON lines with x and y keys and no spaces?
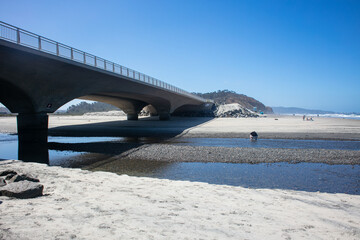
{"x":283,"y":53}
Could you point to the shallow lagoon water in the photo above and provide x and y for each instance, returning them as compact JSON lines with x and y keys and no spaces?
{"x":272,"y":143}
{"x":301,"y":176}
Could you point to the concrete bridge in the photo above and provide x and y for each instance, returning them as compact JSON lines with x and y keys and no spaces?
{"x":39,"y":75}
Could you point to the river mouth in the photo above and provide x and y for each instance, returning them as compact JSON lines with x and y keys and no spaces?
{"x":311,"y":177}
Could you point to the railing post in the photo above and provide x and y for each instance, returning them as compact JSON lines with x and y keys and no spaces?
{"x":57,"y":49}
{"x":113,"y":67}
{"x":120,"y":69}
{"x":133,"y":74}
{"x":17,"y":36}
{"x":84,"y":58}
{"x":95,"y":62}
{"x":104,"y":64}
{"x":39,"y":43}
{"x":127,"y":72}
{"x":72,"y":54}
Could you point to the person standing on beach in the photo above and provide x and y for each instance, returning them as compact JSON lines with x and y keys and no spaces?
{"x":304,"y":118}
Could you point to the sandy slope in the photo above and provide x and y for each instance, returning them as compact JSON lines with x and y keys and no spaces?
{"x":97,"y":205}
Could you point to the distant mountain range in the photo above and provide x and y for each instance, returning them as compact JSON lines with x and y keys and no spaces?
{"x":294,"y":110}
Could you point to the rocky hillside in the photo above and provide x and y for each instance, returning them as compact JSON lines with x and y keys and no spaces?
{"x":228,"y":97}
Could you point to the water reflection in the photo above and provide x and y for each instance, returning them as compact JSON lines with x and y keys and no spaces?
{"x":310,"y":177}
{"x":271,"y":143}
{"x":33,"y":152}
{"x":102,"y":154}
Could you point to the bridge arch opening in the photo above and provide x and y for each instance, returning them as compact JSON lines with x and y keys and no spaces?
{"x":3,"y":109}
{"x":14,"y":98}
{"x":80,"y":106}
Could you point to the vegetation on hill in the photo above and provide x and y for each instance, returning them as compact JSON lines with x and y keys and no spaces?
{"x":85,"y":107}
{"x":226,"y":97}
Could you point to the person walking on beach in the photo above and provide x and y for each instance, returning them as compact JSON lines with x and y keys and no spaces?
{"x":304,"y":118}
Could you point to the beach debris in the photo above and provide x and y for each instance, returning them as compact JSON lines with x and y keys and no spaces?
{"x":22,"y":190}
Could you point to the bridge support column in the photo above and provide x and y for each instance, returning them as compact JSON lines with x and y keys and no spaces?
{"x":32,"y":131}
{"x":132,"y":116}
{"x":163,"y":116}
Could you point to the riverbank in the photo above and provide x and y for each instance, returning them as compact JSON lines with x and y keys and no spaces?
{"x":270,"y":127}
{"x":162,"y":134}
{"x":79,"y":204}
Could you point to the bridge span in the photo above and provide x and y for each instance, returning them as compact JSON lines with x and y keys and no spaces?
{"x":39,"y":75}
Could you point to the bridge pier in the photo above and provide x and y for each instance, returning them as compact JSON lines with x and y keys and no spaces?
{"x":32,"y":127}
{"x":163,"y":116}
{"x":132,"y":116}
{"x":32,"y":131}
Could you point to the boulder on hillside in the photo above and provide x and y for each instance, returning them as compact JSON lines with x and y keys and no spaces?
{"x":234,"y":110}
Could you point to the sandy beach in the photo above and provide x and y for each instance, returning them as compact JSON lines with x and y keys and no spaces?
{"x":80,"y":204}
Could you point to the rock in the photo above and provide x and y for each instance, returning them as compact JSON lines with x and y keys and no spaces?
{"x":7,"y":172}
{"x":23,"y":177}
{"x":2,"y":182}
{"x":9,"y":176}
{"x":22,"y":189}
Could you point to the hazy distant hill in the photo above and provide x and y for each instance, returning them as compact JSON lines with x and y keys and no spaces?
{"x":85,"y":107}
{"x":227,"y":97}
{"x":4,"y":110}
{"x":294,"y":110}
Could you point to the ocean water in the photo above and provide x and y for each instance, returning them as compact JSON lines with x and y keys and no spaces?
{"x":334,"y":115}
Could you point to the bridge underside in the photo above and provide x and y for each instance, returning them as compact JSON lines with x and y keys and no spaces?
{"x":34,"y":83}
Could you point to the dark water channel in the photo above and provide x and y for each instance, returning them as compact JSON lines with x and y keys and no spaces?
{"x":301,"y":176}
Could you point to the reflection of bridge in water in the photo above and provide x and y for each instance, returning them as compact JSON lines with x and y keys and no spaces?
{"x":39,"y":75}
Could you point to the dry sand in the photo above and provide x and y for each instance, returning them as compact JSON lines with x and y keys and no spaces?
{"x":80,"y":204}
{"x":292,"y":127}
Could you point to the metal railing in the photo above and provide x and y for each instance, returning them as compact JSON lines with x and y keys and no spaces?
{"x":34,"y":41}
